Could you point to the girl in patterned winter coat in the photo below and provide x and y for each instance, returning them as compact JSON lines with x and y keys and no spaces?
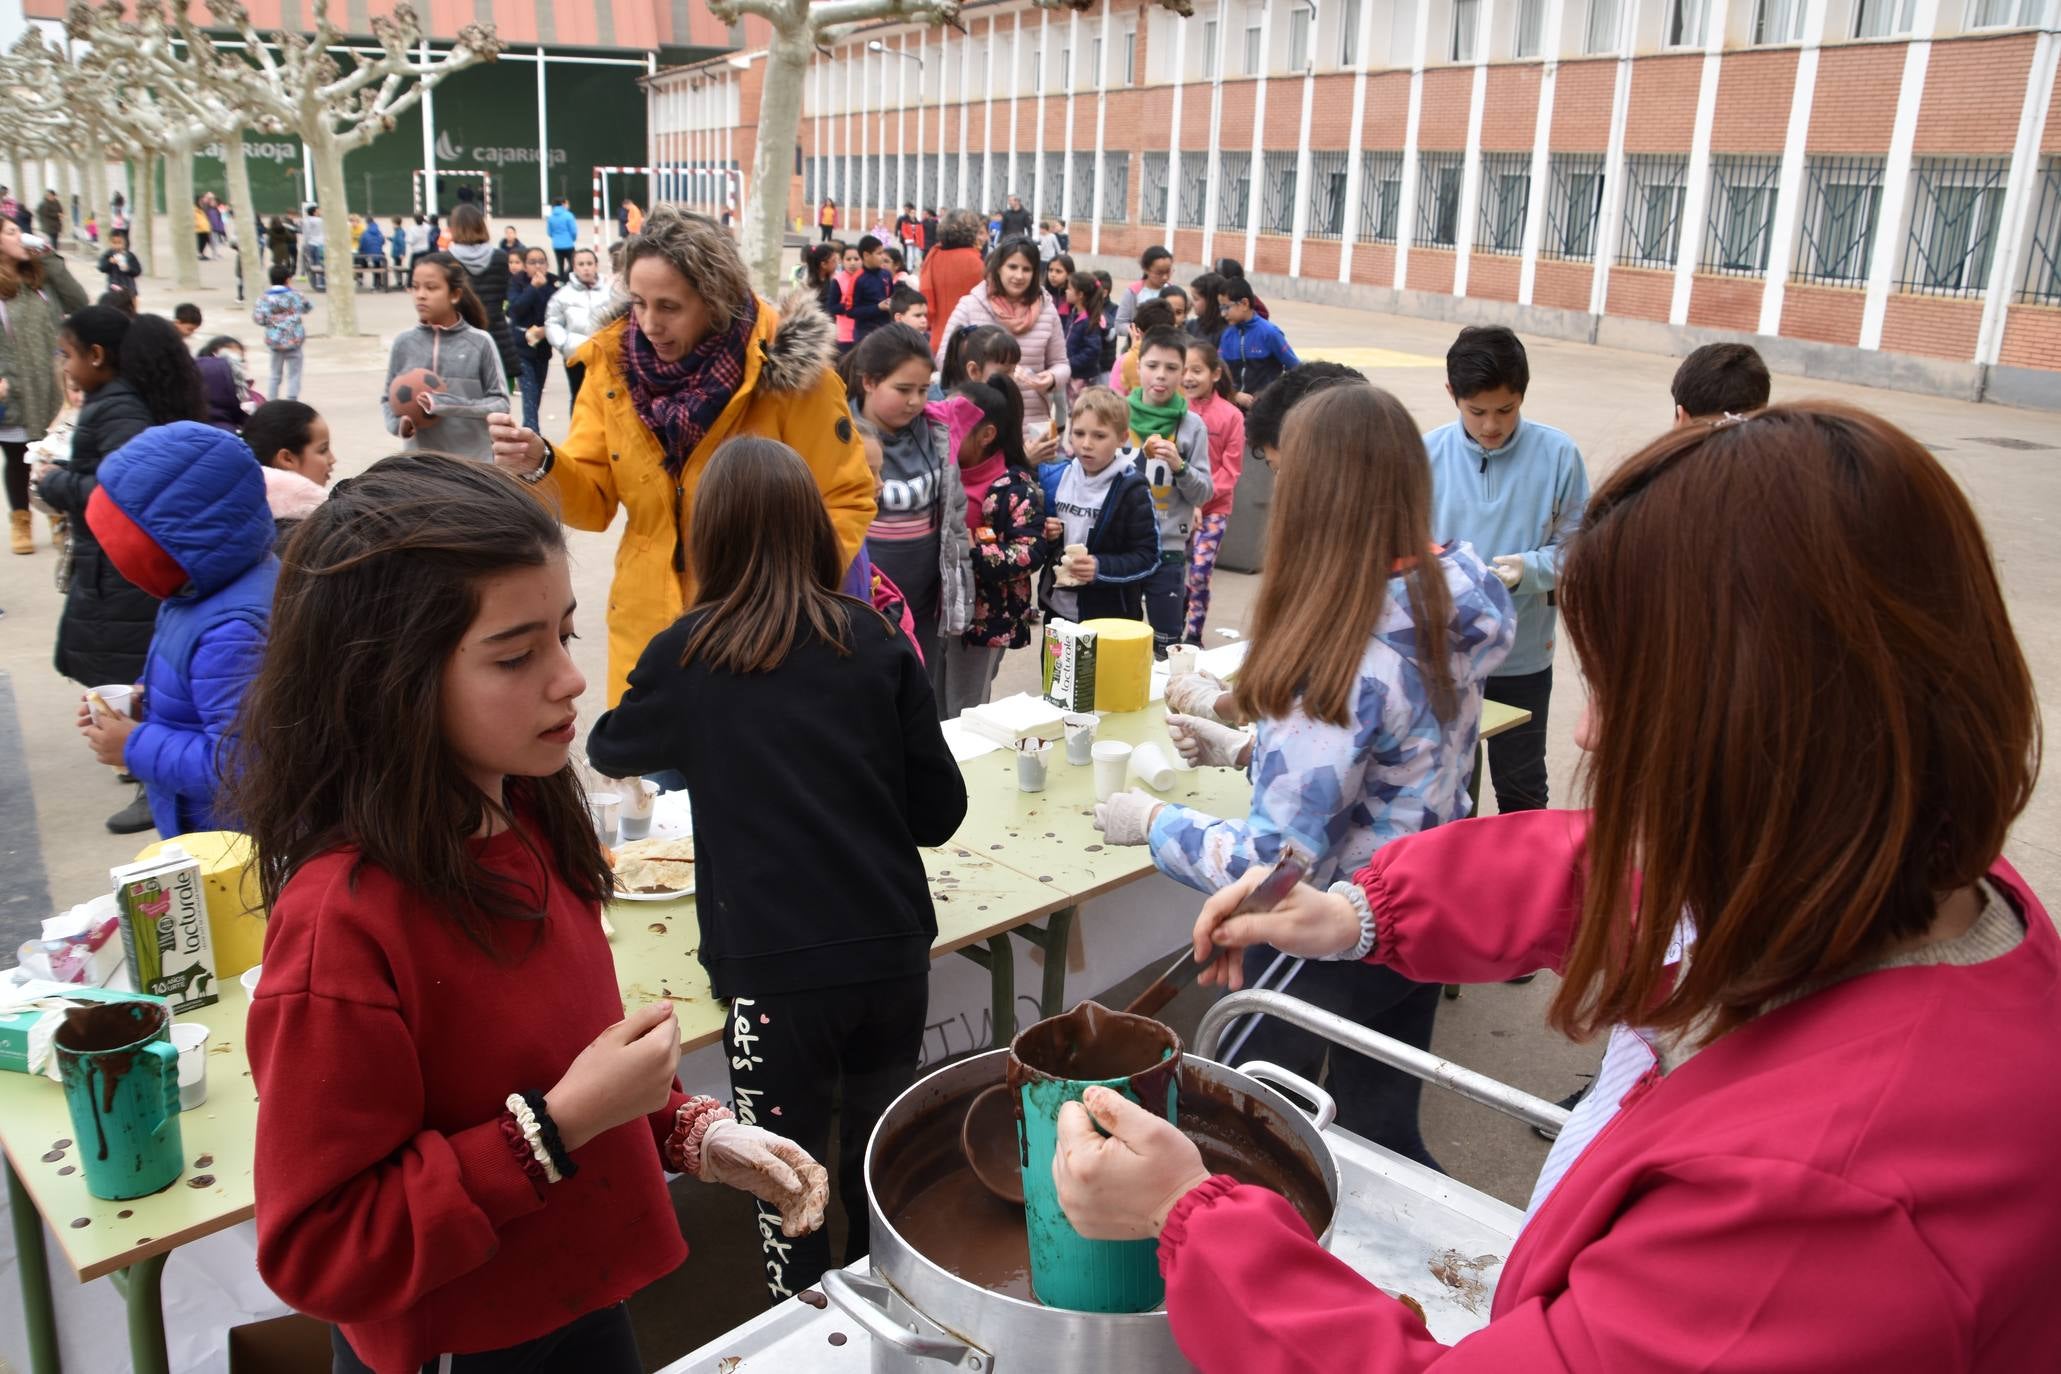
{"x":1005,"y":513}
{"x":1369,"y":649}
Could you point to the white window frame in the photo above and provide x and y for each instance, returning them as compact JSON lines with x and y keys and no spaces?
{"x":1349,"y":33}
{"x":1897,"y":17}
{"x":1531,"y":17}
{"x":1209,"y":49}
{"x":1465,"y":37}
{"x":1594,"y":39}
{"x":1254,"y":41}
{"x":2027,"y":14}
{"x":1685,"y":21}
{"x":1776,"y":22}
{"x":1301,"y":26}
{"x":1130,"y":57}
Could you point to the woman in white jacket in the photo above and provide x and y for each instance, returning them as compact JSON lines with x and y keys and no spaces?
{"x":573,"y":313}
{"x":1013,"y":297}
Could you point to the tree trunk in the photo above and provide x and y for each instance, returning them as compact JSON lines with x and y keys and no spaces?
{"x":68,"y":180}
{"x":336,"y":231}
{"x":143,"y":213}
{"x":250,"y":250}
{"x":765,"y":209}
{"x":179,"y":217}
{"x":96,"y":186}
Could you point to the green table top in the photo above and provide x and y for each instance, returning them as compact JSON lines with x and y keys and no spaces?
{"x":218,"y":1137}
{"x":1051,"y":835}
{"x":656,"y":943}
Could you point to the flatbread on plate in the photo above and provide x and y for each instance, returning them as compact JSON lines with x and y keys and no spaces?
{"x":656,"y":865}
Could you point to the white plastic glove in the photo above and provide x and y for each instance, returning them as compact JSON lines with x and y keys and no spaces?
{"x":1126,"y":818}
{"x":1195,"y":694}
{"x":1509,"y":568}
{"x":1204,"y":743}
{"x":771,"y":1168}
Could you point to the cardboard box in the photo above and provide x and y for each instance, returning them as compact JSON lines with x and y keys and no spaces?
{"x":292,"y":1344}
{"x":165,"y":929}
{"x":1068,"y":668}
{"x":229,"y":884}
{"x":31,"y":1013}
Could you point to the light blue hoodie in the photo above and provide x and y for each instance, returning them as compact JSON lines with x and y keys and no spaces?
{"x":1526,"y":498}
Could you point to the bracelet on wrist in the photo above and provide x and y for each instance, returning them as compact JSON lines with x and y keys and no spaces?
{"x":547,"y":1131}
{"x":533,"y":1134}
{"x":519,"y":1146}
{"x":544,"y":464}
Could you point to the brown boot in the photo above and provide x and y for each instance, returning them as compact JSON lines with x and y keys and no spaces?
{"x":23,"y":531}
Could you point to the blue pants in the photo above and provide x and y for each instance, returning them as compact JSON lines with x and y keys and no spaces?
{"x":533,"y":369}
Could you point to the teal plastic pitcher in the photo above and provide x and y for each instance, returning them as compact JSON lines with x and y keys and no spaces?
{"x":121,"y":1081}
{"x":1052,"y":1063}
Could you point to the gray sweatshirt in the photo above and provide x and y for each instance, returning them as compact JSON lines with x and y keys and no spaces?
{"x":1176,"y":498}
{"x":469,"y":363}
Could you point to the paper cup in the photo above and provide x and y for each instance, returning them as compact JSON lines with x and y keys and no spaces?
{"x":116,"y":698}
{"x":639,"y":798}
{"x":607,"y":810}
{"x":191,"y":1040}
{"x":1112,"y":759}
{"x":1150,"y":765}
{"x":1182,"y":659}
{"x":250,"y":979}
{"x":1080,"y":737}
{"x":1032,"y":757}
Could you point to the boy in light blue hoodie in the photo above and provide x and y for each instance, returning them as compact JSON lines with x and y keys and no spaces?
{"x":1514,"y":489}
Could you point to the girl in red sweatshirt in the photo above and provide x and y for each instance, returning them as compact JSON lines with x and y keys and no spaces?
{"x":1831,"y":1147}
{"x":462,"y":1141}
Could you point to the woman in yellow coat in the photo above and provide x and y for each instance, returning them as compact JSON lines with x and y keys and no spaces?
{"x":691,"y":358}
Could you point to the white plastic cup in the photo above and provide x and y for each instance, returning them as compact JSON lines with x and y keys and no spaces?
{"x":1032,"y":758}
{"x":1112,"y":760}
{"x":1182,"y":659}
{"x":250,"y":979}
{"x":1150,"y":765}
{"x":607,"y":810}
{"x":1080,"y":737}
{"x":191,"y":1039}
{"x":639,"y":799}
{"x":117,"y":697}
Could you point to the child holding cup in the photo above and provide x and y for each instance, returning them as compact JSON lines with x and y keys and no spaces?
{"x":461,"y":1141}
{"x":808,"y":736}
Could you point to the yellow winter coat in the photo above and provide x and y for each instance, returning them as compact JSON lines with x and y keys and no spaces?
{"x":611,"y":459}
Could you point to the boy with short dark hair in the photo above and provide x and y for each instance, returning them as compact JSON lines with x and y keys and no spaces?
{"x":868,"y":295}
{"x":1173,"y":446}
{"x":1271,"y":406}
{"x":908,"y":306}
{"x":1100,"y":507}
{"x":1514,"y":489}
{"x":1717,"y":380}
{"x":187,"y":320}
{"x":119,"y":265}
{"x":1253,"y":348}
{"x":1151,"y":314}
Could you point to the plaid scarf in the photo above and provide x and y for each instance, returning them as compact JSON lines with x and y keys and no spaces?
{"x":679,"y":401}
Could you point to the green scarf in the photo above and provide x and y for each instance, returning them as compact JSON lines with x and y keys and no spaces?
{"x":1149,"y":421}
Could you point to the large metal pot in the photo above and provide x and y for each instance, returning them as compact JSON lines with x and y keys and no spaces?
{"x":923,"y":1318}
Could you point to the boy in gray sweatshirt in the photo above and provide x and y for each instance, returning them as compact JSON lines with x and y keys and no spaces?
{"x":1174,"y":460}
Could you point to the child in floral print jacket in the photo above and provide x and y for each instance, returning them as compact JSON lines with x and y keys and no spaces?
{"x":1005,"y":516}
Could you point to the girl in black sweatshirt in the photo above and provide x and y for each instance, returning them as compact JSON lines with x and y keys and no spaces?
{"x":805,"y":727}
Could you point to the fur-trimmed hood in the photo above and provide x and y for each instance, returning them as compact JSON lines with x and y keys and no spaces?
{"x":793,"y":356}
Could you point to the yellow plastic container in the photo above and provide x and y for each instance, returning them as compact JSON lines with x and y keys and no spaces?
{"x":1123,"y":664}
{"x":229,"y":885}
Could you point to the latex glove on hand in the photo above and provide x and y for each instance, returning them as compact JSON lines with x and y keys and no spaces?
{"x":771,"y":1168}
{"x":1120,"y":1186}
{"x":1509,"y":569}
{"x":1205,"y":744}
{"x":1126,"y":818}
{"x":1309,"y":923}
{"x":1196,"y":694}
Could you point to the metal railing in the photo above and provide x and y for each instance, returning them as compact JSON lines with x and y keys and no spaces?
{"x":1438,"y":198}
{"x":1742,"y":215}
{"x":1956,"y":204}
{"x":1234,"y":189}
{"x":1116,"y":187}
{"x":1277,"y":193}
{"x":1381,"y":196}
{"x":1327,"y":196}
{"x":2042,"y":284}
{"x":1155,"y":180}
{"x":1574,"y":206}
{"x":1655,"y":191}
{"x":1194,"y":190}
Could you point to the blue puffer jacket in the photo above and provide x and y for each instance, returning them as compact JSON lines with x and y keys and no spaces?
{"x":200,"y":495}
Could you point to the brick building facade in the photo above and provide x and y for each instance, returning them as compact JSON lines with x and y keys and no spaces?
{"x":1871,"y":187}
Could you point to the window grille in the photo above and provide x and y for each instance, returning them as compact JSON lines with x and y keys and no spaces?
{"x":1052,"y":200}
{"x":1842,"y":198}
{"x":1116,"y":187}
{"x":1381,"y":196}
{"x":1081,"y":205}
{"x":1574,"y":205}
{"x":1277,"y":193}
{"x":1327,"y":196}
{"x":1505,"y":196}
{"x":1234,"y":189}
{"x":2042,"y":285}
{"x":1956,"y":204}
{"x":1438,"y":199}
{"x":1194,"y":190}
{"x":1654,"y":196}
{"x":1152,"y":189}
{"x":1742,"y":215}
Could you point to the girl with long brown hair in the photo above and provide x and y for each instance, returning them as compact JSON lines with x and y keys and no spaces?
{"x":794,"y":711}
{"x":460,"y":1135}
{"x":1829,"y":1145}
{"x":1364,"y":676}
